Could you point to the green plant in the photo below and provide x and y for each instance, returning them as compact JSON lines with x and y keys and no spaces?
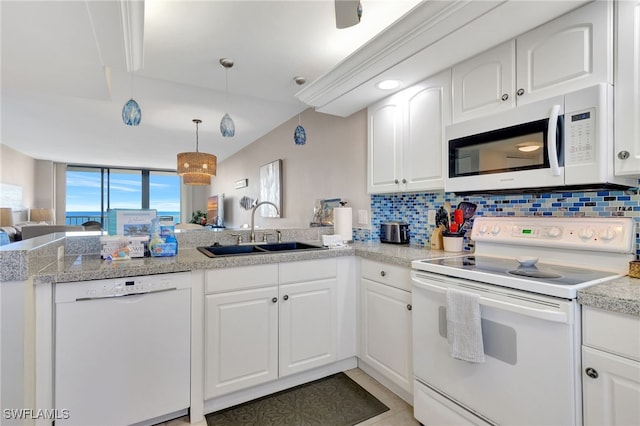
{"x":199,"y":217}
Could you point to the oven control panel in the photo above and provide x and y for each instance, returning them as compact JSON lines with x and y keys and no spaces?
{"x":602,"y":234}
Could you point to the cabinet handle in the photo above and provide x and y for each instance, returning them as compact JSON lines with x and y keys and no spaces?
{"x":383,"y":273}
{"x":520,"y":92}
{"x":404,"y":181}
{"x":591,"y":372}
{"x":505,"y":97}
{"x":623,"y":155}
{"x":285,"y":297}
{"x":396,"y":181}
{"x":409,"y":307}
{"x":274,"y":300}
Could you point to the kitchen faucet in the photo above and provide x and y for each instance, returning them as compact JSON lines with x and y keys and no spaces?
{"x":252,"y":235}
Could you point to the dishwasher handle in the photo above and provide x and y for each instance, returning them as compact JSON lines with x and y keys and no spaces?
{"x":118,"y":296}
{"x":541,"y":313}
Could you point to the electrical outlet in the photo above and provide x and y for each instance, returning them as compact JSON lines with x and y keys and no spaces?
{"x":431,"y":217}
{"x":363,"y":217}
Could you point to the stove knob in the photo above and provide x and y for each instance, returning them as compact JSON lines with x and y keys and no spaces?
{"x":495,"y":230}
{"x":607,"y":234}
{"x":483,"y":229}
{"x":553,"y":232}
{"x":586,"y":233}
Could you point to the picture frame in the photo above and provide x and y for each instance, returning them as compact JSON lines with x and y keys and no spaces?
{"x":271,"y":188}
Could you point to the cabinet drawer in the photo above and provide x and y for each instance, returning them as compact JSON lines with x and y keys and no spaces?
{"x":611,"y":332}
{"x":307,"y":270}
{"x":228,"y":279}
{"x":384,"y":273}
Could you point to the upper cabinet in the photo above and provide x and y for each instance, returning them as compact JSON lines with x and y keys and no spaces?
{"x":627,"y":89}
{"x":406,"y":136}
{"x":569,"y":53}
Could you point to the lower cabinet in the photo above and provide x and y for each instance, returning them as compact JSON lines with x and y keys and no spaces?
{"x":611,"y":368}
{"x":385,"y":322}
{"x":268,"y":321}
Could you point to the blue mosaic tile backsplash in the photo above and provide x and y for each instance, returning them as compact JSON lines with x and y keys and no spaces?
{"x":413,"y":208}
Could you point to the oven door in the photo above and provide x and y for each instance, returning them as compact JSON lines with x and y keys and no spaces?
{"x":521,"y":148}
{"x":531,"y":371}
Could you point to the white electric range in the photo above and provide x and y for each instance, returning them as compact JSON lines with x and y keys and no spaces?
{"x":525,"y":273}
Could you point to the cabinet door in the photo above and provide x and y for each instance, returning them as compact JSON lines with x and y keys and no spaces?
{"x":308,"y":325}
{"x":627,"y":89}
{"x":485,"y":83}
{"x":569,"y":53}
{"x":386,"y":331}
{"x":385,"y":133}
{"x":241,"y":339}
{"x":428,"y":111}
{"x":612,"y":397}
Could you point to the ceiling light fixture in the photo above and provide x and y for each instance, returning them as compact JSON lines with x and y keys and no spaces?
{"x":196,"y":168}
{"x":132,"y":15}
{"x":388,"y":84}
{"x":227,"y":126}
{"x":299,"y":134}
{"x":528,"y":147}
{"x":348,"y":13}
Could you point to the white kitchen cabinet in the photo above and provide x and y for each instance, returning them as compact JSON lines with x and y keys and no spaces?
{"x":385,"y":322}
{"x":406,"y":135}
{"x":569,"y":53}
{"x":308,"y":325}
{"x":263,"y":322}
{"x":610,"y":368}
{"x":627,"y":89}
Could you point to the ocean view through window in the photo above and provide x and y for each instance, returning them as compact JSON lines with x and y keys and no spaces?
{"x":92,"y":191}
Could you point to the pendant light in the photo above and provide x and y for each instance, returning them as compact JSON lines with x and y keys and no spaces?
{"x":131,"y":112}
{"x":196,"y":168}
{"x":299,"y":134}
{"x":227,"y":126}
{"x":132,"y":14}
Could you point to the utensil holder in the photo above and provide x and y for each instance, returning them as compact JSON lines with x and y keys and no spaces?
{"x":453,"y":244}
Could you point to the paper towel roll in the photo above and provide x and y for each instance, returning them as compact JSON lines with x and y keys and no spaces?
{"x":342,"y":218}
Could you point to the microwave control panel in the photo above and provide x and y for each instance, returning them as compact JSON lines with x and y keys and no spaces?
{"x":580,"y":136}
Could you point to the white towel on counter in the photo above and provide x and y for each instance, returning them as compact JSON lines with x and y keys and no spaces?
{"x":464,"y":327}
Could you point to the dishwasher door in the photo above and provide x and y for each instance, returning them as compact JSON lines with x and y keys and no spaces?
{"x":122,"y":358}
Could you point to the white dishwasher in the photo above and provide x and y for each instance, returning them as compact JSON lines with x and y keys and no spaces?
{"x":122,"y":349}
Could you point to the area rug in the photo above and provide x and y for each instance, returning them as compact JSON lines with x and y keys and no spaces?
{"x":332,"y":401}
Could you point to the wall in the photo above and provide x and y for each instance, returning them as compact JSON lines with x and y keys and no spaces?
{"x":413,"y":208}
{"x":332,"y":164}
{"x":19,"y":170}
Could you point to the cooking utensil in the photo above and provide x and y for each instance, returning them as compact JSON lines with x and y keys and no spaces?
{"x":468,"y":210}
{"x":458,"y":217}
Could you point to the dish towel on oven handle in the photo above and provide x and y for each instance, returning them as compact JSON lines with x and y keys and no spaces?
{"x":464,"y":327}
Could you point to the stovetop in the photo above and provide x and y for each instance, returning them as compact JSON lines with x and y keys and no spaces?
{"x":543,"y":278}
{"x":574,"y":253}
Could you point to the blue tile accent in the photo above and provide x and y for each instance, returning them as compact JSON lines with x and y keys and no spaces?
{"x":413,"y":208}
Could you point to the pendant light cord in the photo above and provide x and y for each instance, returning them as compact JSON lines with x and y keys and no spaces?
{"x":196,"y":136}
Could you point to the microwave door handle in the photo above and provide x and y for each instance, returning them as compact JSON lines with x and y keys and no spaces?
{"x":552,"y":149}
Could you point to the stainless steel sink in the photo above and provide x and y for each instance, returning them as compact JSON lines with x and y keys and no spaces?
{"x":250,"y":249}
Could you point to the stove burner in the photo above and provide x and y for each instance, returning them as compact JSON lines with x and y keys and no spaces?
{"x":534,"y":272}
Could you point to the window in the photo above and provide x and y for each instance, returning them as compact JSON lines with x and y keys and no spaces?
{"x":92,"y":191}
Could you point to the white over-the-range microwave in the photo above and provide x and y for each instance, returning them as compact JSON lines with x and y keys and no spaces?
{"x":564,"y":141}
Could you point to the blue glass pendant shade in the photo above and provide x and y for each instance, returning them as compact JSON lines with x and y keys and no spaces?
{"x":227,"y":126}
{"x":131,"y":113}
{"x":299,"y":135}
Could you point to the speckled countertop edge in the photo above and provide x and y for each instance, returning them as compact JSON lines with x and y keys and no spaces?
{"x":621,"y":295}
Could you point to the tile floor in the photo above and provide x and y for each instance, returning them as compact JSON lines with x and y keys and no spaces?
{"x":399,"y":414}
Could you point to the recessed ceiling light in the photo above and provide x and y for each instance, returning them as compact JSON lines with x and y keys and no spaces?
{"x":529,"y":148}
{"x":388,"y":84}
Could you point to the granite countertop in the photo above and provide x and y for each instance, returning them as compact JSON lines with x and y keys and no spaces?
{"x":621,"y":295}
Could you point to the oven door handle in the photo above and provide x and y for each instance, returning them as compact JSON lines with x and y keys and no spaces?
{"x":552,"y":147}
{"x":541,"y":313}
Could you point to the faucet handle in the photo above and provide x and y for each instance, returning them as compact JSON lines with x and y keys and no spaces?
{"x":265,"y":236}
{"x":239,"y":238}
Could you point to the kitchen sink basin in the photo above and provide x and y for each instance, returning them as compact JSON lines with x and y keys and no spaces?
{"x":250,"y":249}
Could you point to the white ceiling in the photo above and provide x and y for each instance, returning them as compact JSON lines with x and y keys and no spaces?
{"x":64,"y":75}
